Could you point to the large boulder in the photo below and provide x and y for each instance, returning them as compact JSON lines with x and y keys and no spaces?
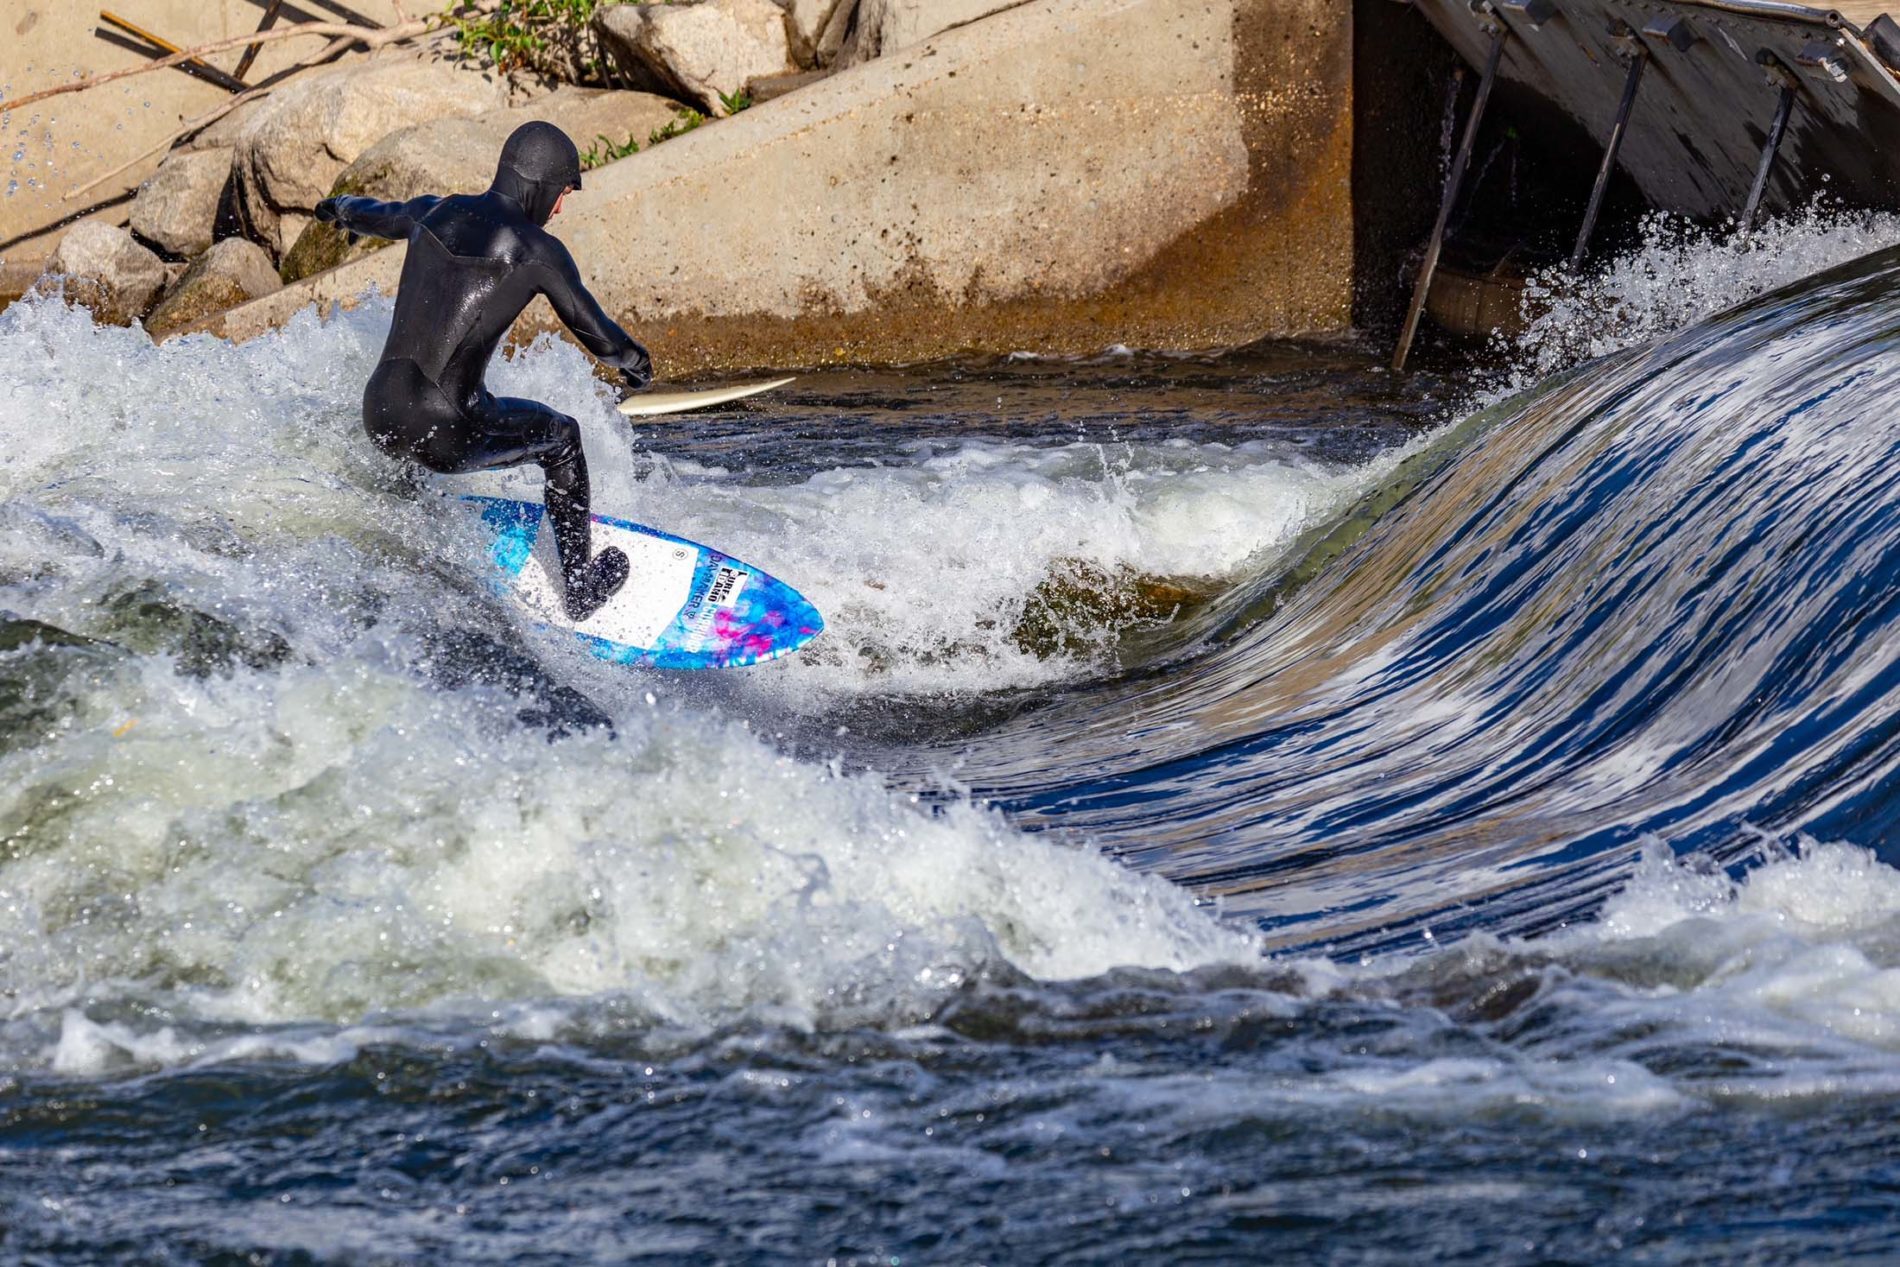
{"x":102,"y":268}
{"x":704,"y":52}
{"x":224,"y":133}
{"x":884,"y":26}
{"x":457,"y":156}
{"x":231,"y":273}
{"x":177,"y":206}
{"x":290,"y":152}
{"x":1173,"y":175}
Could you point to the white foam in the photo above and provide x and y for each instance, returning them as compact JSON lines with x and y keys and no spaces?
{"x":337,"y":841}
{"x":1795,"y":967}
{"x":1681,"y":273}
{"x":330,"y":837}
{"x":926,"y":567}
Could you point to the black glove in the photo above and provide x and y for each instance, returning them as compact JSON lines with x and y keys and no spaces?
{"x":328,"y":212}
{"x":637,"y":369}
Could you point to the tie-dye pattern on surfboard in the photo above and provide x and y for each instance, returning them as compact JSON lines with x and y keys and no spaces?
{"x":685,"y":605}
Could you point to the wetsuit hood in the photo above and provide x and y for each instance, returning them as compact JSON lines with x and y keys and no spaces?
{"x":537,"y":163}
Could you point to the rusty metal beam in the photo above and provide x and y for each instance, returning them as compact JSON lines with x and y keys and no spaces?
{"x":271,"y":11}
{"x":196,"y":67}
{"x":1695,"y":147}
{"x":1454,"y":182}
{"x":1776,"y":131}
{"x":1639,"y":58}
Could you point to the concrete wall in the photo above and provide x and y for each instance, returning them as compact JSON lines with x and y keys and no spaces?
{"x":65,"y":141}
{"x":1062,"y":176}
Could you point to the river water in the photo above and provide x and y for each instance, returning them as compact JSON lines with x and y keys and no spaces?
{"x":1242,"y":807}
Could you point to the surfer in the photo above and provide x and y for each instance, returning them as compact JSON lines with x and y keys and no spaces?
{"x":474,"y":262}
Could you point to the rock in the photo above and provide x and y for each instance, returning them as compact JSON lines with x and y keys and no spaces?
{"x":774,"y":86}
{"x":697,"y":51}
{"x":177,"y":206}
{"x":1080,"y":603}
{"x":805,"y":24}
{"x":223,"y":135}
{"x":17,"y":278}
{"x":290,"y":152}
{"x":884,"y":26}
{"x":457,"y":156}
{"x":831,"y":39}
{"x":105,"y":270}
{"x":1171,"y":175}
{"x":230,"y":273}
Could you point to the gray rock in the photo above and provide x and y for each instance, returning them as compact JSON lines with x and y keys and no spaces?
{"x":884,"y":26}
{"x":805,"y":25}
{"x":103,"y":269}
{"x":230,"y":273}
{"x":290,"y":152}
{"x":177,"y":205}
{"x":837,"y":29}
{"x":697,"y":51}
{"x":457,"y":156}
{"x":223,"y":134}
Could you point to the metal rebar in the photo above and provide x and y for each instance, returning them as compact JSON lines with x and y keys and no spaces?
{"x":195,"y":67}
{"x":1453,"y":181}
{"x":271,"y":11}
{"x":1639,"y":58}
{"x":1776,"y":131}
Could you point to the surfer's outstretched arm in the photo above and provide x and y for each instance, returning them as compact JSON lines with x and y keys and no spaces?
{"x":582,"y":313}
{"x":370,"y":218}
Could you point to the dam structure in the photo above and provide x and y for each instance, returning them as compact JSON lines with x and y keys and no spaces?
{"x":1715,"y":109}
{"x":1061,"y":177}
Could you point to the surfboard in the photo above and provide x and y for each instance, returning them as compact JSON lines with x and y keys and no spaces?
{"x":684,"y":606}
{"x":654,"y":404}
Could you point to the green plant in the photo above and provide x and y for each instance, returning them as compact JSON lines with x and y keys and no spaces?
{"x":605,"y":151}
{"x":735,"y":101}
{"x":684,"y":121}
{"x":554,"y":37}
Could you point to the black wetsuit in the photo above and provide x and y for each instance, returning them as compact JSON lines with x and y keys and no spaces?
{"x":474,"y":263}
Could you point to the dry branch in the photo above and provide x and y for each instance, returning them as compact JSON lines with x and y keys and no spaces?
{"x":370,"y":37}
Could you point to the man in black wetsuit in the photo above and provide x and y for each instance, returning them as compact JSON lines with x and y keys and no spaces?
{"x":474,"y":263}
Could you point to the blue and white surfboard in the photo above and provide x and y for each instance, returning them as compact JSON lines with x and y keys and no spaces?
{"x":684,"y":606}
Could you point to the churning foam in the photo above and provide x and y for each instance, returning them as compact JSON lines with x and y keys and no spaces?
{"x":246,"y":801}
{"x":1680,"y":273}
{"x":927,"y":561}
{"x":926,"y":566}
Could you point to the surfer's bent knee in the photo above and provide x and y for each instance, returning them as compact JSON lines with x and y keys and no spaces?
{"x":565,"y":447}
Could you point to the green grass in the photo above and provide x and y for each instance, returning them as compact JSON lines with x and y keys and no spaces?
{"x":605,"y":151}
{"x":683,"y":122}
{"x":555,"y":37}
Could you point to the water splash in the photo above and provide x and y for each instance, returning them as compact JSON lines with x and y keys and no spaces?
{"x":1679,"y":274}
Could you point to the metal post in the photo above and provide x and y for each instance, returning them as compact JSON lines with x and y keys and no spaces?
{"x":271,"y":11}
{"x":1453,"y":181}
{"x":1639,"y":58}
{"x":1775,"y":132}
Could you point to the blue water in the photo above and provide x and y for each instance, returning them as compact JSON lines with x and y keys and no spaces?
{"x":1242,"y":808}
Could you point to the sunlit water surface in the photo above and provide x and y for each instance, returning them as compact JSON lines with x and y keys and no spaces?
{"x":1242,"y":807}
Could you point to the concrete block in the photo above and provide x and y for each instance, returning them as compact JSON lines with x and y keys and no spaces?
{"x":1063,"y":176}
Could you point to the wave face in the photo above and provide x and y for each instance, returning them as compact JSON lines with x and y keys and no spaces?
{"x":1655,"y":600}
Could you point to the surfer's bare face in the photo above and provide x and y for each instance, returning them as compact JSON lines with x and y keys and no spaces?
{"x":559,"y":201}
